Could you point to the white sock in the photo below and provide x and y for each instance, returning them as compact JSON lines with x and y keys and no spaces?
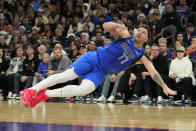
{"x":83,"y":89}
{"x":52,"y":80}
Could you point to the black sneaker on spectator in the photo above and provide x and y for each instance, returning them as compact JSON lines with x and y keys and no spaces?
{"x":134,"y":98}
{"x":118,"y":99}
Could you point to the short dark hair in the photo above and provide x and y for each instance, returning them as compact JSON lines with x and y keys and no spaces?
{"x":146,"y":27}
{"x":19,"y":47}
{"x":179,"y":33}
{"x":155,"y":44}
{"x":30,"y":46}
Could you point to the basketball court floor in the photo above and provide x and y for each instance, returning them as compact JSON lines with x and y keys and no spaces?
{"x":53,"y":116}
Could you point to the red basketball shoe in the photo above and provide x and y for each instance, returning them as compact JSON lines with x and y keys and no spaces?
{"x":39,"y":97}
{"x":26,"y":96}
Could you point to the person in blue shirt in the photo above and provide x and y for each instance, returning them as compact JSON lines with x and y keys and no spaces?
{"x":42,"y":69}
{"x":93,"y":66}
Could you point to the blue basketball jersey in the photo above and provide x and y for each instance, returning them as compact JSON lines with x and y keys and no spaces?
{"x":119,"y":55}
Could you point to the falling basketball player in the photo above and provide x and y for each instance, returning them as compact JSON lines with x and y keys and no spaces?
{"x":93,"y":66}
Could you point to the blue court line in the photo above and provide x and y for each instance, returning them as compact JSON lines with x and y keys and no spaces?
{"x":15,"y":126}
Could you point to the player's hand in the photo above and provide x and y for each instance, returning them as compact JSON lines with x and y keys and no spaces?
{"x":113,"y":78}
{"x":168,"y":91}
{"x":121,"y":27}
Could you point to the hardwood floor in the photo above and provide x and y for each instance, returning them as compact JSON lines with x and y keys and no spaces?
{"x":105,"y":115}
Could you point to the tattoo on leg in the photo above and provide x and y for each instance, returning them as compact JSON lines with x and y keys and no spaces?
{"x":157,"y":78}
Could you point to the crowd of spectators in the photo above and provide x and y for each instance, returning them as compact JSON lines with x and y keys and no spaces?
{"x":39,"y":38}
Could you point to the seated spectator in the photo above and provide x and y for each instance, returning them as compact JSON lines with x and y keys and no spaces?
{"x":89,"y":22}
{"x":91,"y":46}
{"x":44,"y":40}
{"x":190,"y":31}
{"x":24,"y":41}
{"x":41,"y":50}
{"x":180,"y":38}
{"x":75,"y":45}
{"x":57,"y":44}
{"x":64,"y":23}
{"x":15,"y":42}
{"x":82,"y":51}
{"x":170,"y":17}
{"x":98,"y":39}
{"x":182,"y":10}
{"x":61,"y":38}
{"x":22,"y":30}
{"x":58,"y":63}
{"x":156,"y":26}
{"x":15,"y":66}
{"x":3,"y":44}
{"x":42,"y":69}
{"x":35,"y":33}
{"x":162,"y":66}
{"x":139,"y":82}
{"x":163,"y":49}
{"x":30,"y":38}
{"x":177,"y":44}
{"x":180,"y":71}
{"x":76,"y":27}
{"x":140,"y":20}
{"x":147,"y":49}
{"x":85,"y":39}
{"x":101,"y":16}
{"x":30,"y":66}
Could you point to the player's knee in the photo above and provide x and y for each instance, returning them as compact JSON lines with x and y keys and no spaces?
{"x":86,"y":90}
{"x":86,"y":87}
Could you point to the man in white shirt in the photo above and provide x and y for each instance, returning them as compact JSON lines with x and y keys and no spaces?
{"x":181,"y":72}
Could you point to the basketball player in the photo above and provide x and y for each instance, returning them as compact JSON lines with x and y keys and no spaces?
{"x":95,"y":65}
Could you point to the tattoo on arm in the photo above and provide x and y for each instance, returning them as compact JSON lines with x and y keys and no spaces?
{"x":157,"y":78}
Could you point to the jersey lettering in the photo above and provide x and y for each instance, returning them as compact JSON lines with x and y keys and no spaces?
{"x":127,"y":54}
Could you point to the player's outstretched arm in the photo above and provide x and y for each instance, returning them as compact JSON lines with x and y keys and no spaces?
{"x":156,"y":76}
{"x":116,"y":29}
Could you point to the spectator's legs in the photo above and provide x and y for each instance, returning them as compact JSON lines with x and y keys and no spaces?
{"x":16,"y":82}
{"x":106,"y":86}
{"x":123,"y":83}
{"x":138,"y":86}
{"x":114,"y":91}
{"x":11,"y":82}
{"x":37,"y":80}
{"x":147,"y":86}
{"x":29,"y":82}
{"x":187,"y":86}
